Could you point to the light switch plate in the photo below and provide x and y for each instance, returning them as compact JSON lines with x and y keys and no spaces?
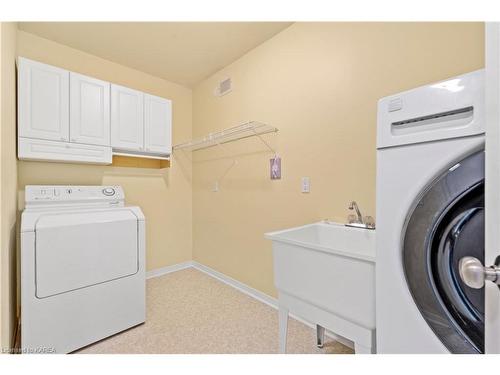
{"x":306,"y":185}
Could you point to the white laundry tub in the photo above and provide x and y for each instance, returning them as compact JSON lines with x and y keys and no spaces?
{"x":325,"y":273}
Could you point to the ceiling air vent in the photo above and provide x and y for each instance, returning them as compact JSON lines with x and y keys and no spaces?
{"x":225,"y":86}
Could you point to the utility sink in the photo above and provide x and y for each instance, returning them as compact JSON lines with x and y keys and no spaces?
{"x":325,"y":274}
{"x":330,"y":237}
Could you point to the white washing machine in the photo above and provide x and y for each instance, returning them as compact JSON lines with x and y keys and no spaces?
{"x":82,"y":266}
{"x":430,"y":214}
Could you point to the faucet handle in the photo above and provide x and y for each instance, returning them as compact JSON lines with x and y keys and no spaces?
{"x":369,"y":221}
{"x":351,"y":218}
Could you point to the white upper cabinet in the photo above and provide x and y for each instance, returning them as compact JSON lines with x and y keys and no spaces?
{"x":127,"y":119}
{"x":89,"y":110}
{"x":157,"y":124}
{"x":43,"y":108}
{"x":69,"y":117}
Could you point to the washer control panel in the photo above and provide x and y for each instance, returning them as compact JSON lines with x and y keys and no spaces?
{"x":57,"y":194}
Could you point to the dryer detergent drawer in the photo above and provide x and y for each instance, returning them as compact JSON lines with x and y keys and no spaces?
{"x":78,"y":250}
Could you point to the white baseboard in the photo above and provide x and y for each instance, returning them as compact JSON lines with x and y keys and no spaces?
{"x":168,"y":269}
{"x":248,"y":290}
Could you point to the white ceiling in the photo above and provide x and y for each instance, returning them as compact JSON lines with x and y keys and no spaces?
{"x":182,"y":52}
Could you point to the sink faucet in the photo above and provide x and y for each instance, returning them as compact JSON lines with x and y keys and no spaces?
{"x":354,"y":206}
{"x":359,"y":222}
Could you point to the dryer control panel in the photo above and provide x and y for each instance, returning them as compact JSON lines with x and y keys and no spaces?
{"x":46,"y":195}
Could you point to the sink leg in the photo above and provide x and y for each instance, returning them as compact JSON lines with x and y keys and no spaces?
{"x":361,"y":349}
{"x":283,"y":328}
{"x":320,"y":336}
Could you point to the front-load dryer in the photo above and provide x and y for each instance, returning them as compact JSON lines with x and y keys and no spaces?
{"x":82,"y":267}
{"x":430,"y":213}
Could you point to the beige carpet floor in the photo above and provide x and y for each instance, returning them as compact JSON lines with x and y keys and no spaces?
{"x":190,"y":312}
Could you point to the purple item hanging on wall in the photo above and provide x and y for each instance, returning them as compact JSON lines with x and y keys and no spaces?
{"x":275,"y":164}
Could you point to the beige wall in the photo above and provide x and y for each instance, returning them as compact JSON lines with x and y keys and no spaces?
{"x":319,"y":84}
{"x":164,"y":195}
{"x":8,"y":182}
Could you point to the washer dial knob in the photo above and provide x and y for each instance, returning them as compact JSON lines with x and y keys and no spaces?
{"x":108,"y":191}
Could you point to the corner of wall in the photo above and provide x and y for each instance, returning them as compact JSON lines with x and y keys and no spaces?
{"x":8,"y":183}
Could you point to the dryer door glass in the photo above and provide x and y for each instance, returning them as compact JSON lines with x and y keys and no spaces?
{"x":446,"y":224}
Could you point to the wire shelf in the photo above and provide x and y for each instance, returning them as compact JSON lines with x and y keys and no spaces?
{"x":248,"y":129}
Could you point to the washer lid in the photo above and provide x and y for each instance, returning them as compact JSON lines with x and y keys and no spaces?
{"x":30,"y":217}
{"x":75,"y":250}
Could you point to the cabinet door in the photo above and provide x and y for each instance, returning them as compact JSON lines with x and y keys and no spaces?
{"x":157,"y":124}
{"x":43,"y":107}
{"x":127,"y":118}
{"x":89,"y":110}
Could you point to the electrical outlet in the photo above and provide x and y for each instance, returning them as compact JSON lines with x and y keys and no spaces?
{"x":306,"y":185}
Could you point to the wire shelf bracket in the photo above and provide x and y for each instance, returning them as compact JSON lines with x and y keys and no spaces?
{"x":220,"y":138}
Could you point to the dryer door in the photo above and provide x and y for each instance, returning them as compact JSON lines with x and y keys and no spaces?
{"x":446,"y":224}
{"x":75,"y":250}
